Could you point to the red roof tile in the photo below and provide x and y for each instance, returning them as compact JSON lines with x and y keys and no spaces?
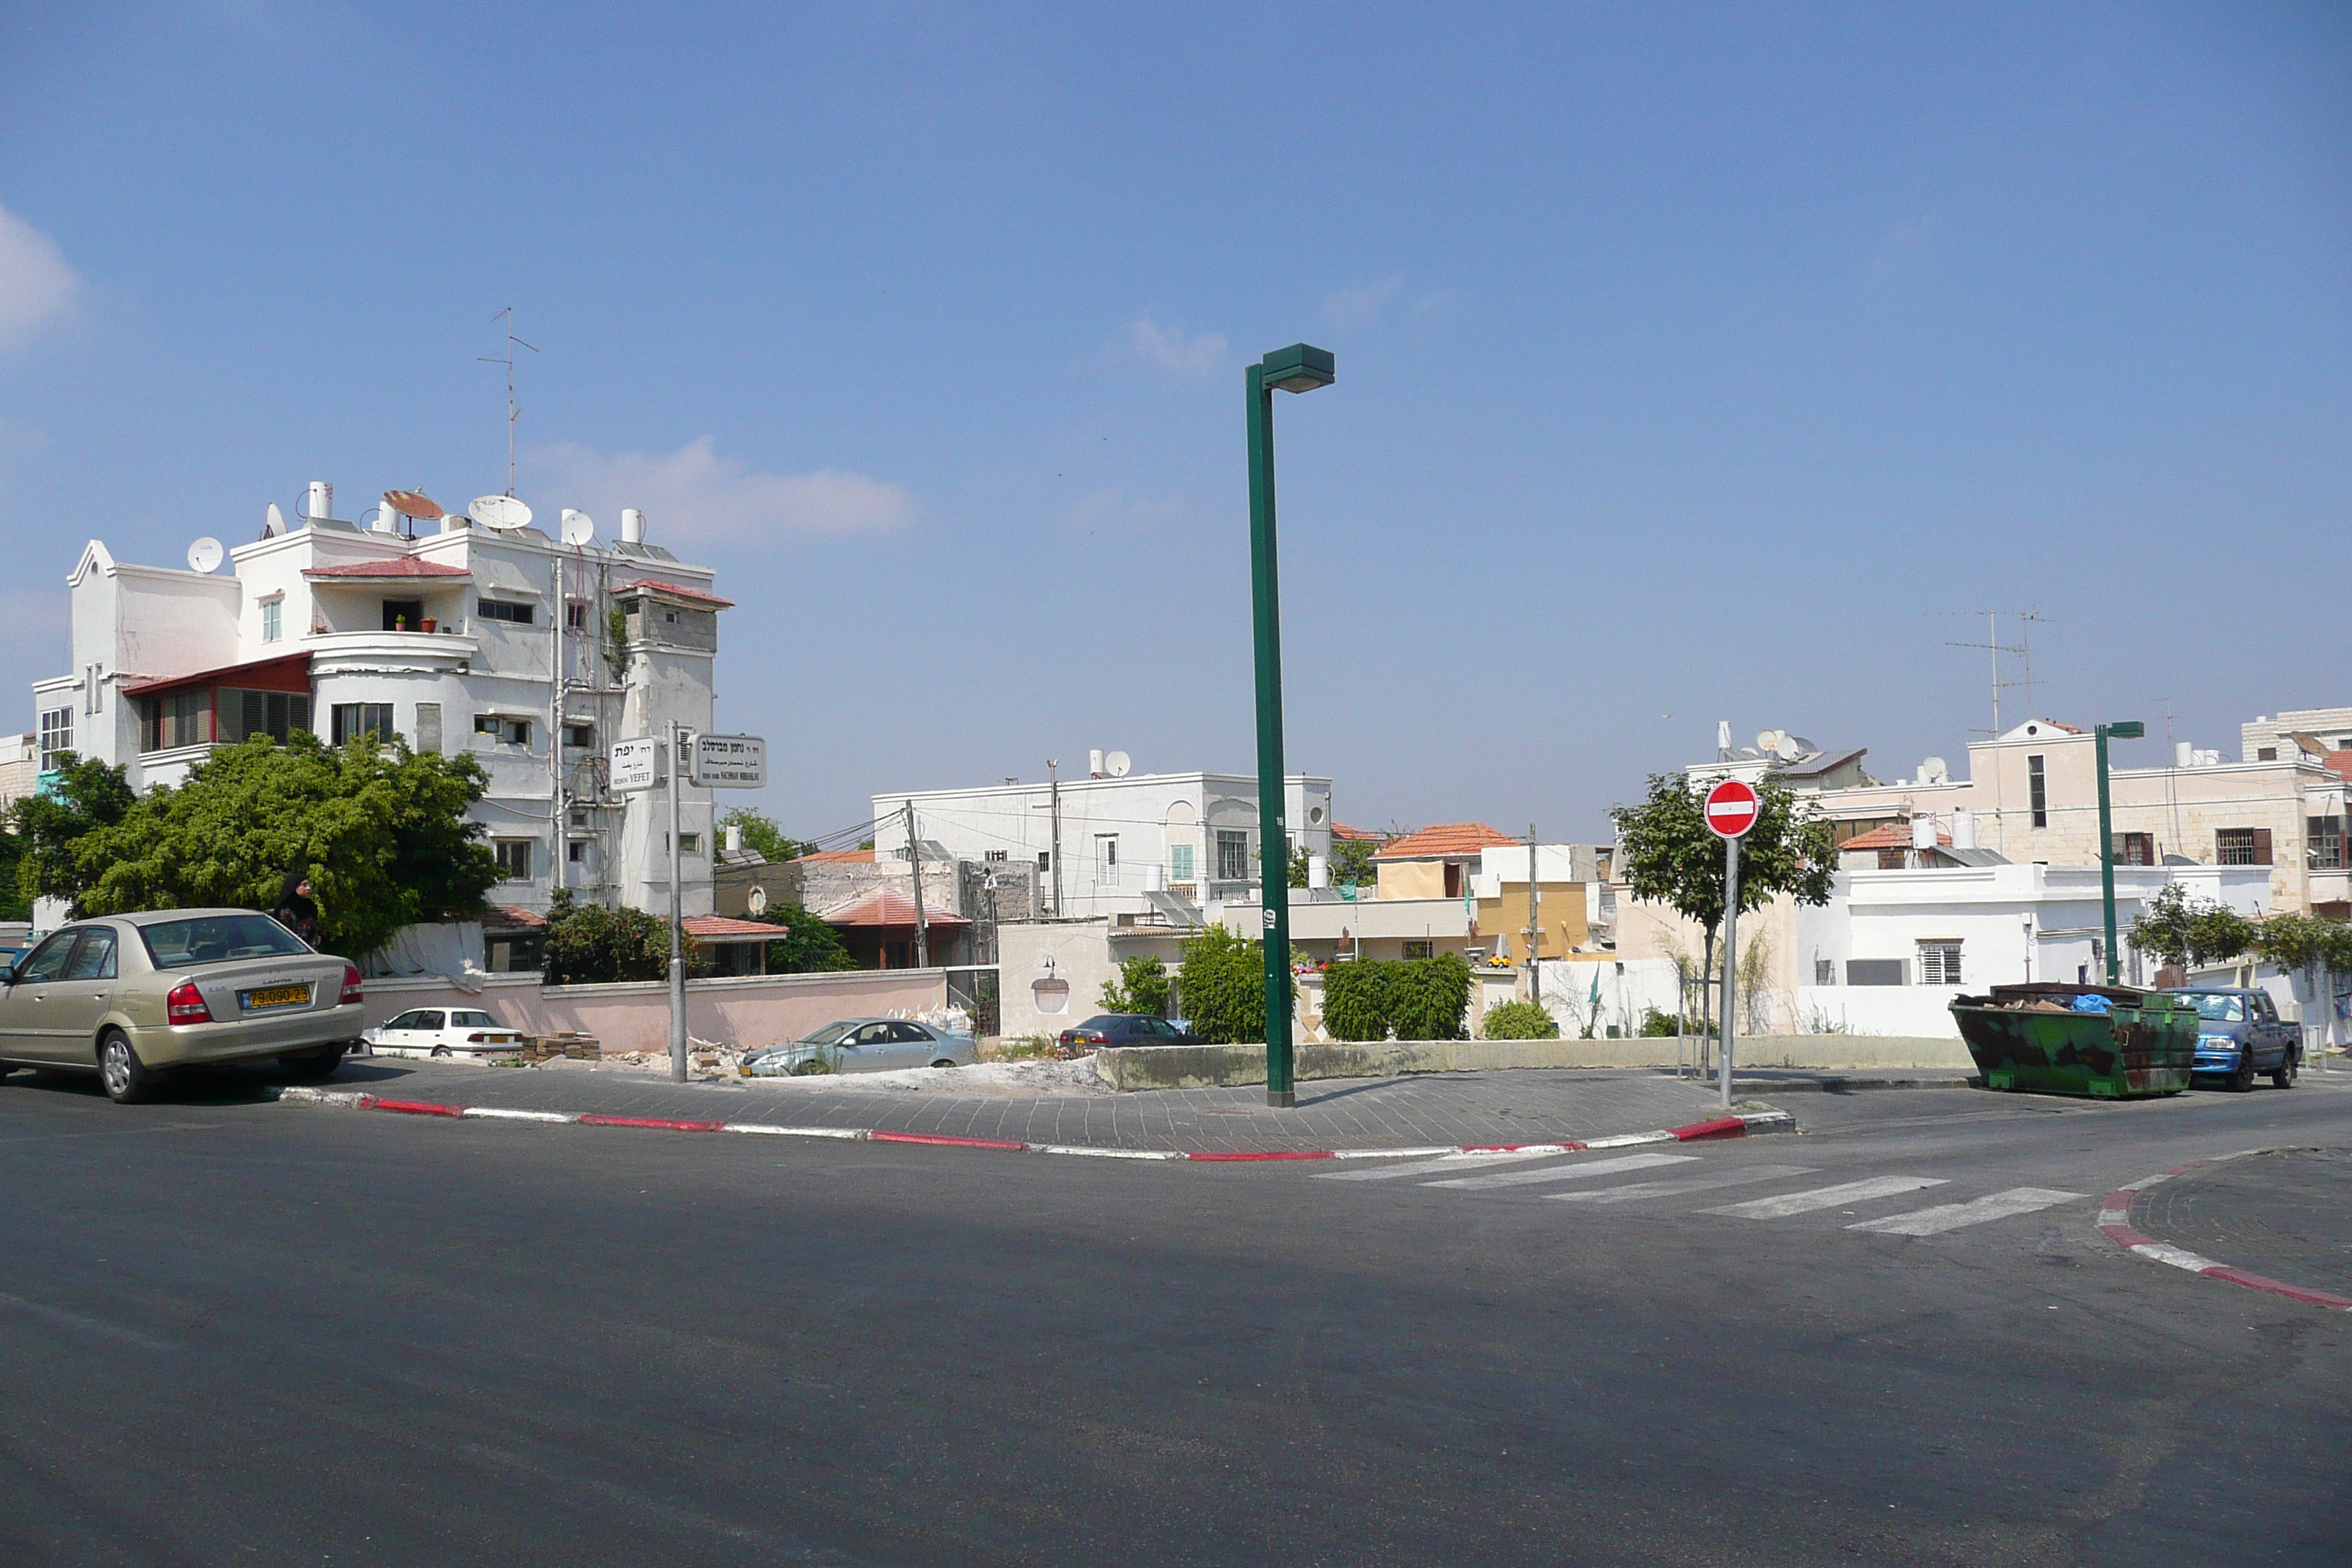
{"x":840,"y":856}
{"x":1341,"y":830}
{"x":1892,"y":835}
{"x":724,"y":928}
{"x":503,"y":917}
{"x":655,"y":585}
{"x":889,"y":907}
{"x":1445,"y":839}
{"x":401,"y":566}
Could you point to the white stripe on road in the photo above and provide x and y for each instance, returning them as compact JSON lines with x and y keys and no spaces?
{"x":1577,"y":1173}
{"x":1420,"y":1167}
{"x":1976,"y":1210}
{"x":1634,"y":1191}
{"x":1827,"y":1197}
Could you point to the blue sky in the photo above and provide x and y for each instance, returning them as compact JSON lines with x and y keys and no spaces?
{"x":1692,"y":360}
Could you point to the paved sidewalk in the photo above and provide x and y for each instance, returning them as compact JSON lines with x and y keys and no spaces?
{"x":1447,"y":1108}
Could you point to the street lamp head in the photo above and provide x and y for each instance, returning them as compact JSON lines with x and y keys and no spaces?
{"x":1301,"y":367}
{"x":2130,"y":730}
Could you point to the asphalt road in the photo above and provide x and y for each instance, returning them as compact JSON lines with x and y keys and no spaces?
{"x":258,"y":1334}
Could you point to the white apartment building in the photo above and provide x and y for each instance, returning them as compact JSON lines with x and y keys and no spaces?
{"x":449,"y":640}
{"x":1120,"y":840}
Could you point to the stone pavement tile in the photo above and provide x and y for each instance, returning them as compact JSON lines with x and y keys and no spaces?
{"x":1519,"y":1107}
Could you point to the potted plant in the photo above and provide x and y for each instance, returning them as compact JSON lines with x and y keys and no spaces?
{"x":429,"y":624}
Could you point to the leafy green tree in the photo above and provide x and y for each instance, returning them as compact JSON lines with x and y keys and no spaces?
{"x":85,"y":796}
{"x":1298,"y":859}
{"x":1356,"y":999}
{"x":2185,"y":930}
{"x":760,"y":833}
{"x":588,"y":944}
{"x":13,"y":903}
{"x":1520,"y":1021}
{"x":1352,"y":862}
{"x":1222,"y":982}
{"x":1141,"y":987}
{"x":1668,"y":857}
{"x":812,"y":948}
{"x":2312,"y":944}
{"x":1430,"y":999}
{"x":381,"y":833}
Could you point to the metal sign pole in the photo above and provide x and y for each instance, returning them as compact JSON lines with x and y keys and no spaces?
{"x":1731,"y":958}
{"x":677,"y":915}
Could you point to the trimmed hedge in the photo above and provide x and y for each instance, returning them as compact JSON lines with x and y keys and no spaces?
{"x":1520,"y":1021}
{"x":1415,"y":999}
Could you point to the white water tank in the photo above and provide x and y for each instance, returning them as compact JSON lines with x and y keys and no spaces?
{"x":1964,"y":829}
{"x":1319,"y":871}
{"x":1923,"y":831}
{"x":632,"y":526}
{"x":1093,"y":763}
{"x":323,"y":499}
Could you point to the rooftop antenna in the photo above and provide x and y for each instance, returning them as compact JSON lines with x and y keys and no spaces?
{"x":2022,"y":650}
{"x":514,"y":411}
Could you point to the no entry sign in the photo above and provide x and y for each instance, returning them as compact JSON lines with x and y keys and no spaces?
{"x":1732,"y":809}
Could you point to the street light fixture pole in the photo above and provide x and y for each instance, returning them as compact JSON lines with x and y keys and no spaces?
{"x":2130,"y":731}
{"x":1298,"y":368}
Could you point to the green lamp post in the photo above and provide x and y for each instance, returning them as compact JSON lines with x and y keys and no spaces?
{"x":2101,"y":734}
{"x":1298,"y":368}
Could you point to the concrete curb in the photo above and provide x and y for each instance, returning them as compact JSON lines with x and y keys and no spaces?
{"x":2114,"y":1223}
{"x":1740,"y":1124}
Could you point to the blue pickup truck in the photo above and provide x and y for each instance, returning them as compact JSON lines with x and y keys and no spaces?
{"x":2240,"y":1036}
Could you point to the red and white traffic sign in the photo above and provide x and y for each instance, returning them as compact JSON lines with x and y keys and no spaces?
{"x":1732,"y":808}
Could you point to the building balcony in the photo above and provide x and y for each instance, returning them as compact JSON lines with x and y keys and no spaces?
{"x":357,"y":652}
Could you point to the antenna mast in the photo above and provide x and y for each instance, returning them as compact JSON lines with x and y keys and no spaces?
{"x":514,"y":410}
{"x":2023,"y":648}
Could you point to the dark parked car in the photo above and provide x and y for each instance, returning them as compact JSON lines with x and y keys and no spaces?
{"x":1124,"y":1029}
{"x":2241,"y":1034}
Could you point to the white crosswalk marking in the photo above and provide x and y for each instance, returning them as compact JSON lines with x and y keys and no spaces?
{"x":1634,"y":1191}
{"x":1977,"y":1211}
{"x":1790,"y":1203}
{"x":1422,"y":1167}
{"x":1567,"y":1172}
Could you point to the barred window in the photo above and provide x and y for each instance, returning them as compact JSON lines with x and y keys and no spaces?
{"x":1939,"y":963}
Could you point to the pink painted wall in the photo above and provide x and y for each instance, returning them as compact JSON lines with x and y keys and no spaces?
{"x":755,"y":1011}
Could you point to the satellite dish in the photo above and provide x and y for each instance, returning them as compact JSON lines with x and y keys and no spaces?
{"x":757,"y":900}
{"x":205,"y":554}
{"x":414,"y":503}
{"x":1117,"y":763}
{"x":500,"y":512}
{"x":579,"y":528}
{"x":1934,"y":770}
{"x":1769,"y":742}
{"x":275,"y":525}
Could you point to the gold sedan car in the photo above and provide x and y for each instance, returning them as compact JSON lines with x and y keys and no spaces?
{"x":131,"y":996}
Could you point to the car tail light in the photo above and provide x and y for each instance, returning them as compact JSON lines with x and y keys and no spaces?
{"x":351,"y":991}
{"x":185,"y":1004}
{"x":476,"y":1039}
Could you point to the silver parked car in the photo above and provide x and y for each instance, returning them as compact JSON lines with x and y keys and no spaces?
{"x":131,"y":996}
{"x":864,"y":1045}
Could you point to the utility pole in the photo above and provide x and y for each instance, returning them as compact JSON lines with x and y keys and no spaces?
{"x":676,"y":911}
{"x":1534,"y":921}
{"x":1053,"y":800}
{"x":915,"y":860}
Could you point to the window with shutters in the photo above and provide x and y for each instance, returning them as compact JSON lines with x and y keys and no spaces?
{"x":428,"y":729}
{"x":1180,"y":862}
{"x":2134,"y":849}
{"x":2241,"y":846}
{"x":1939,"y":963}
{"x":180,"y":718}
{"x":273,"y":619}
{"x":2324,"y":838}
{"x":1232,"y":856}
{"x":2037,"y":790}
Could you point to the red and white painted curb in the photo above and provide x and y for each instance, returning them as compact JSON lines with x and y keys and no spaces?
{"x":1739,"y":1125}
{"x":2114,"y":1223}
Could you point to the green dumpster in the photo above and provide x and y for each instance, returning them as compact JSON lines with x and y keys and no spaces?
{"x":2036,"y":1036}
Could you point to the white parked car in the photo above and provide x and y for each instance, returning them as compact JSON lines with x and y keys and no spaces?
{"x":443,"y":1032}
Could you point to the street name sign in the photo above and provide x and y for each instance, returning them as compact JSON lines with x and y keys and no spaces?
{"x":637,"y":764}
{"x":1732,"y":808}
{"x":731,"y":762}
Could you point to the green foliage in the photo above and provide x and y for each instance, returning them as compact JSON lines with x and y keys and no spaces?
{"x":1024,"y":1047}
{"x":2305,"y":942}
{"x":379,"y":832}
{"x":1669,"y":856}
{"x":1520,"y":1021}
{"x":1356,"y":1000}
{"x":1661,"y":1026}
{"x":14,"y":904}
{"x":616,"y":642}
{"x":1141,"y":987}
{"x":812,"y":948}
{"x":1298,"y":859}
{"x":1416,"y":999}
{"x":1222,"y":984}
{"x":760,"y":833}
{"x":588,"y":944}
{"x":1351,"y":863}
{"x":86,"y":795}
{"x":2183,"y":931}
{"x":1430,"y":997}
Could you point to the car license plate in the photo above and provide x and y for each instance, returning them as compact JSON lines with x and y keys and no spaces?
{"x":273,"y":996}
